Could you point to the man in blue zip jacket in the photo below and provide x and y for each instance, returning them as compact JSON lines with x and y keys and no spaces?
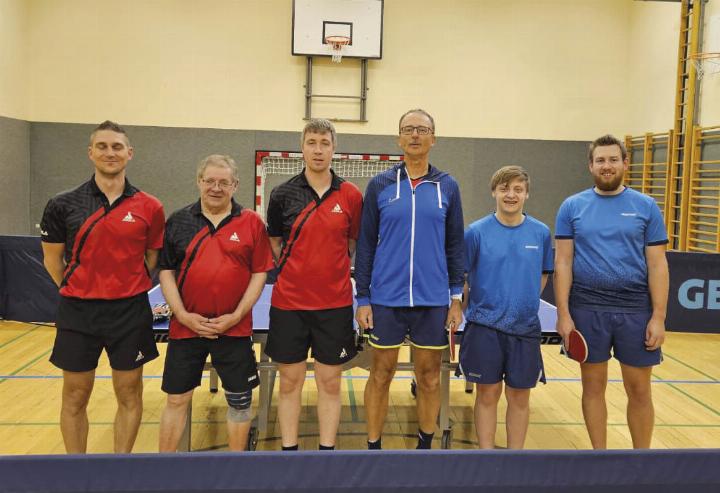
{"x":409,"y":273}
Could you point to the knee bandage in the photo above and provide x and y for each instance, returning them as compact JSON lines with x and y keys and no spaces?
{"x":239,"y":406}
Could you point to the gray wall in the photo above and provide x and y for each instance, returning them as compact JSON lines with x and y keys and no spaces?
{"x":165,"y":161}
{"x":15,"y":215}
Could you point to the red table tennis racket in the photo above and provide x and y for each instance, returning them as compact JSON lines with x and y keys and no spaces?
{"x":452,"y":330}
{"x":576,"y":347}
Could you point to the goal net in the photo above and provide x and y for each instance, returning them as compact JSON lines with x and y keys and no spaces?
{"x":274,"y":168}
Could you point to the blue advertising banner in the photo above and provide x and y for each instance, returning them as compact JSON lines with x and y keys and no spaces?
{"x":694,"y":301}
{"x":28,"y":294}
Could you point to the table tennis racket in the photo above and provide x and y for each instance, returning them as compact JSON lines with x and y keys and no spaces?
{"x":575,"y":346}
{"x":161,"y":311}
{"x":452,"y":330}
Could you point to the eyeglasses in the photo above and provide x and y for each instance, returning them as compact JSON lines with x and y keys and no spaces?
{"x":409,"y":129}
{"x":224,"y":184}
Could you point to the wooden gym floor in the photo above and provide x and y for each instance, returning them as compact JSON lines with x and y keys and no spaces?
{"x":686,"y":389}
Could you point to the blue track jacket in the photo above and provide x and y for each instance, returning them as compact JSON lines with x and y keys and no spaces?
{"x":411,"y":246}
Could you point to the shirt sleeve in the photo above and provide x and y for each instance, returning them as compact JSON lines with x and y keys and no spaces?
{"x":548,"y":253}
{"x":655,"y":233}
{"x":367,"y":243}
{"x":356,"y":214}
{"x":52,"y":224}
{"x":455,"y":242}
{"x":170,"y":258}
{"x":157,"y":228}
{"x":472,"y":249}
{"x":274,"y":215}
{"x":262,"y":259}
{"x":563,"y":224}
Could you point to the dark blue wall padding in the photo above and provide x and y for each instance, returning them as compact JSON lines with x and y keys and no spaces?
{"x":536,"y":471}
{"x":27,"y":293}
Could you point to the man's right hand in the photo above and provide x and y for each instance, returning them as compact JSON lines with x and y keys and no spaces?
{"x":198,"y":324}
{"x":364,"y":317}
{"x":564,"y":325}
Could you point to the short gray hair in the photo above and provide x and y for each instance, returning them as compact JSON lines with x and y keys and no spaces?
{"x":422,"y":112}
{"x":319,"y":126}
{"x":220,"y":161}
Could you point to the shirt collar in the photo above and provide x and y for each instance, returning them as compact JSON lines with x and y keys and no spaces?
{"x":334,"y":183}
{"x":128,"y":191}
{"x":235,"y":209}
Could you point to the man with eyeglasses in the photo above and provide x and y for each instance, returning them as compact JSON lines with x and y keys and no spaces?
{"x":100,"y":241}
{"x":313,"y":222}
{"x":214,"y":263}
{"x":409,"y":273}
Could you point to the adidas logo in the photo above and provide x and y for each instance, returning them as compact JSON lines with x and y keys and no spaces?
{"x":140,"y":354}
{"x":234,"y":237}
{"x":343,"y":353}
{"x":128,"y":218}
{"x":337,"y":209}
{"x":253,"y":377}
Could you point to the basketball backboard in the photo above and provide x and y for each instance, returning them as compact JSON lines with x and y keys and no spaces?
{"x":360,"y":20}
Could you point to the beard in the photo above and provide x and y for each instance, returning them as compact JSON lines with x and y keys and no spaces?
{"x":608,"y":186}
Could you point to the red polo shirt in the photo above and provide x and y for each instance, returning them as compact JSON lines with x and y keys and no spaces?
{"x":105,"y":244}
{"x":212,"y":265}
{"x":314,"y":268}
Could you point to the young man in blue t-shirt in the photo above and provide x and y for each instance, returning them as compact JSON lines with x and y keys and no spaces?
{"x":509,"y":256}
{"x":611,"y":284}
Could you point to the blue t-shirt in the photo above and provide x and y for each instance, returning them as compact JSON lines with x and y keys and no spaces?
{"x":610,"y":233}
{"x":505,"y":266}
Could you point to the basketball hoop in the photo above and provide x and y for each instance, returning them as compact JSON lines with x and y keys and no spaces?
{"x":706,"y":63}
{"x":336,"y":45}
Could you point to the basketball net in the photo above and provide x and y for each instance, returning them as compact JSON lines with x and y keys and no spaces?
{"x":706,"y":63}
{"x":336,"y":44}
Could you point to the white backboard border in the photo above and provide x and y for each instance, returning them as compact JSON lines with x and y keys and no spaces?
{"x":360,"y":20}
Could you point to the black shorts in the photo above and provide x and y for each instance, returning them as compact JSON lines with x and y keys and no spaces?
{"x":329,"y":333}
{"x":232,"y":357}
{"x":85,"y":327}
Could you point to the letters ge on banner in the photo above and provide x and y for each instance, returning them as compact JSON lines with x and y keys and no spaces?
{"x":692,"y":294}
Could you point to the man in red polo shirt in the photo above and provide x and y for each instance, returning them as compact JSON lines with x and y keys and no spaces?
{"x":100,"y":240}
{"x":213,"y":267}
{"x":313,"y":222}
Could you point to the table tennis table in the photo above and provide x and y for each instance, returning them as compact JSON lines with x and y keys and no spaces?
{"x":268,"y":370}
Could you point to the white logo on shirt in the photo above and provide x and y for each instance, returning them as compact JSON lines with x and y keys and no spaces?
{"x":628,"y":214}
{"x":128,"y":218}
{"x":140,"y":354}
{"x":337,"y":209}
{"x":44,"y":233}
{"x":532,"y":247}
{"x":343,"y":353}
{"x":250,"y":379}
{"x":234,"y":237}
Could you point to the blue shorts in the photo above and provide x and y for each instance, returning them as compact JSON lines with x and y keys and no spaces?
{"x":424,"y":326}
{"x":488,"y":356}
{"x":623,"y":332}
